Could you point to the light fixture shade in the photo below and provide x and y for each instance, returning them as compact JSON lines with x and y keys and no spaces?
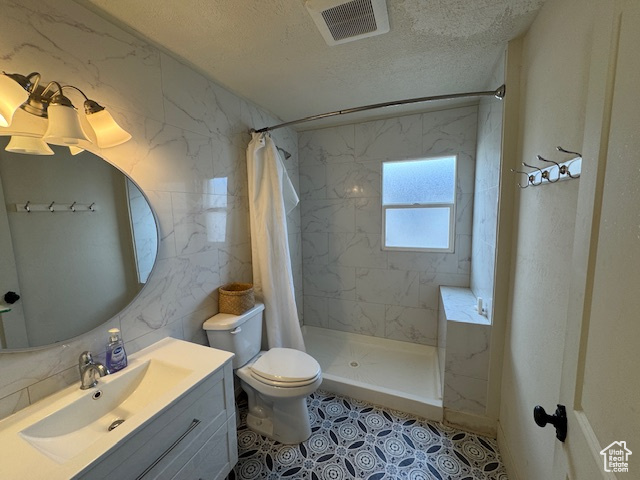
{"x":108,"y":132}
{"x":12,"y":95}
{"x":64,"y":126}
{"x":28,"y":146}
{"x":75,"y":150}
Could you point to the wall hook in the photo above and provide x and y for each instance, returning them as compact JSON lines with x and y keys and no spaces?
{"x":523,"y":173}
{"x":567,"y":170}
{"x":560,"y":149}
{"x":568,"y":167}
{"x":543,"y":175}
{"x":562,"y":170}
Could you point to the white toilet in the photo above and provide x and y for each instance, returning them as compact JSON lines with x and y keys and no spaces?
{"x":276,"y":381}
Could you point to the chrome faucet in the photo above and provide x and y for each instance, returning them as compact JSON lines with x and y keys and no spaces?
{"x":90,"y":371}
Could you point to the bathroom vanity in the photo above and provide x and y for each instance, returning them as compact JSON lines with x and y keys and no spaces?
{"x":170,"y":414}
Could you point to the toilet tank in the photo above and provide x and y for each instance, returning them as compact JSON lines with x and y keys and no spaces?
{"x":240,"y":334}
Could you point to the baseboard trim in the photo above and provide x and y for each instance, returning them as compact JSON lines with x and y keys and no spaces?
{"x":470,"y":422}
{"x":507,"y":456}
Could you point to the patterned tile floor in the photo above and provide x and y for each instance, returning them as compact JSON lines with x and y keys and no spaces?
{"x":352,"y":439}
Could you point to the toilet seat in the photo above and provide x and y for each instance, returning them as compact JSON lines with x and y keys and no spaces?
{"x":274,"y":383}
{"x":285,"y":367}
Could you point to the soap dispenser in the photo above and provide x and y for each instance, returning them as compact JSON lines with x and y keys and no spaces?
{"x":116,"y":356}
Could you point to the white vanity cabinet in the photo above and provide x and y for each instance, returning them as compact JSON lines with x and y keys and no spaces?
{"x":193,"y":438}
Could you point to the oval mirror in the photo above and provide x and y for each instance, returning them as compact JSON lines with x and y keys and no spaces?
{"x":78,"y":240}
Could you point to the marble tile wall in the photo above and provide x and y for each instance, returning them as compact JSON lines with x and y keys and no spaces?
{"x":350,"y":283}
{"x":187,"y":154}
{"x":485,"y":199}
{"x":465,"y":352}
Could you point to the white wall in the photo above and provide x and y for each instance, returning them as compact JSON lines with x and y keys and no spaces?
{"x":350,"y":283}
{"x":187,"y":154}
{"x":553,"y":84}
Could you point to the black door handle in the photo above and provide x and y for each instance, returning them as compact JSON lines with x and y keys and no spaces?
{"x":558,"y":420}
{"x":11,"y":297}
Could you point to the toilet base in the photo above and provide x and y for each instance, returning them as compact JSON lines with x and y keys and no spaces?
{"x":286,"y":420}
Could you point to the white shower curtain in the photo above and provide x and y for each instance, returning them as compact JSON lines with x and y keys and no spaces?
{"x":271,"y":197}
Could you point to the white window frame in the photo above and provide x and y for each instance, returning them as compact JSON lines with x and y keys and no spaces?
{"x":451,"y":206}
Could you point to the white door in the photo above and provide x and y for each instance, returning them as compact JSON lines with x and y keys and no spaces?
{"x":601,"y":371}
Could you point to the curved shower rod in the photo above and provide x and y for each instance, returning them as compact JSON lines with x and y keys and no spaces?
{"x":499,"y":93}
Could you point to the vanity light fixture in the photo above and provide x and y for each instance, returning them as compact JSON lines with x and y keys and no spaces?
{"x":65,"y":126}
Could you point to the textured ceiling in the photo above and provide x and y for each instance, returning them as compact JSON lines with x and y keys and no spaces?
{"x":271,"y":52}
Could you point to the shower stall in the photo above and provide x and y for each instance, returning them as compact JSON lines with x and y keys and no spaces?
{"x":374,"y":318}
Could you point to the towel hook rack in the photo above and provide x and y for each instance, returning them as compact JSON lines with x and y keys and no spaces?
{"x":567,"y":170}
{"x":53,"y":207}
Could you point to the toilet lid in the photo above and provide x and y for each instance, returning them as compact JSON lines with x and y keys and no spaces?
{"x":286,"y":365}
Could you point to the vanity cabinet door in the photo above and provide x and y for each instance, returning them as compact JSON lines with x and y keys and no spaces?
{"x":162,"y":447}
{"x":187,"y":437}
{"x":216,"y":458}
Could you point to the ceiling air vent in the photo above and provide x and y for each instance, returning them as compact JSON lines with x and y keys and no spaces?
{"x":341,"y":22}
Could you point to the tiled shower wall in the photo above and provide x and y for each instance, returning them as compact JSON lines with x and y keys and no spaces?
{"x":465,"y":336}
{"x":350,"y":283}
{"x":485,"y":201}
{"x":187,"y":154}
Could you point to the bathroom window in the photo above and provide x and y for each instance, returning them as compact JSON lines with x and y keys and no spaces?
{"x":419,"y":204}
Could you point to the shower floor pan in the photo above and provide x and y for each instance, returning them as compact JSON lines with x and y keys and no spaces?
{"x":398,"y":375}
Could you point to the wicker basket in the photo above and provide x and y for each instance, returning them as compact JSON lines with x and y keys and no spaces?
{"x":236,"y":298}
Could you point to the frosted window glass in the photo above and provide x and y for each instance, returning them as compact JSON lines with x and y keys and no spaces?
{"x":418,"y":181}
{"x":417,"y":227}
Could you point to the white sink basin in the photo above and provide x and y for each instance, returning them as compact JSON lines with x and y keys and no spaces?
{"x":70,"y":430}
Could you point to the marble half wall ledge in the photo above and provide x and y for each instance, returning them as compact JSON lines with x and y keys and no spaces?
{"x":459,"y":305}
{"x":464,"y":354}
